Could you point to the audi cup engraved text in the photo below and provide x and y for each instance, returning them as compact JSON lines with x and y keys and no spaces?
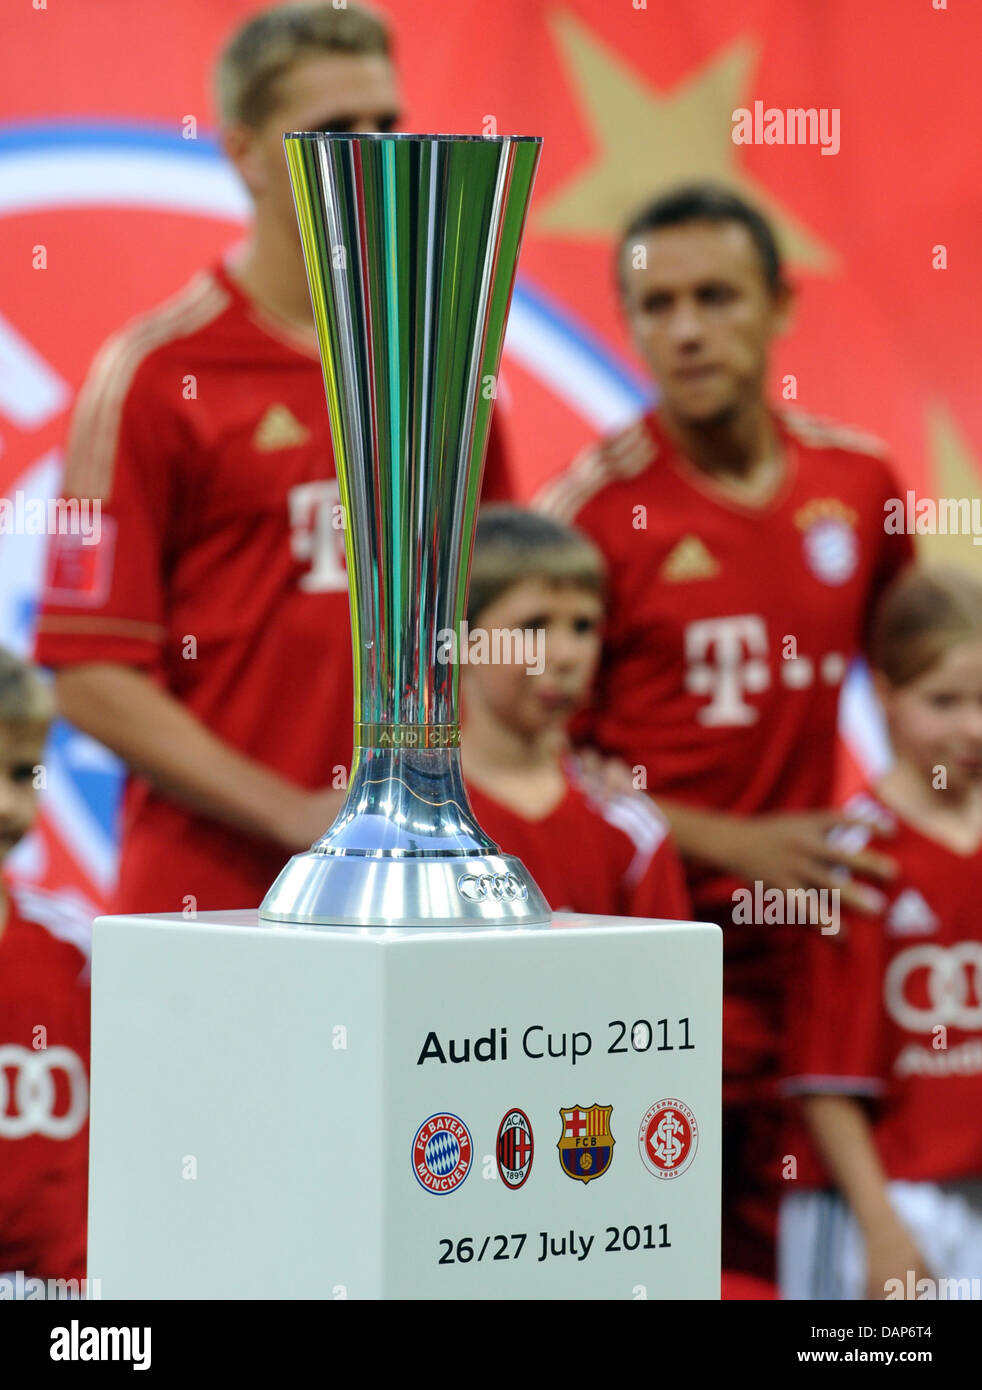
{"x":613,"y":1240}
{"x":442,"y":1154}
{"x":514,"y":1149}
{"x":668,"y":1138}
{"x":586,"y":1144}
{"x":542,"y":1043}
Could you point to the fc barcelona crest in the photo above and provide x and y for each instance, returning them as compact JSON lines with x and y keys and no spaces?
{"x":586,"y":1145}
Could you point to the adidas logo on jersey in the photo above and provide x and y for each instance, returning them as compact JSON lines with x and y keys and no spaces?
{"x":910,"y":915}
{"x":687,"y":560}
{"x":279,"y":429}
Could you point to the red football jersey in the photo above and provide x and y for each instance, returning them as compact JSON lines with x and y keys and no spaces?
{"x":44,"y":1086}
{"x":729,"y":631}
{"x":890,"y":1010}
{"x":220,"y":566}
{"x":730,"y":627}
{"x":610,"y":855}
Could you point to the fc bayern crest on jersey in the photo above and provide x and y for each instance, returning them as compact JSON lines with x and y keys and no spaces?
{"x":586,"y":1144}
{"x":442,"y":1153}
{"x":514,"y":1149}
{"x":668,"y":1138}
{"x":829,"y":539}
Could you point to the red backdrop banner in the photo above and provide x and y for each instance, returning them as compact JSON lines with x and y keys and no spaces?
{"x":113,"y":191}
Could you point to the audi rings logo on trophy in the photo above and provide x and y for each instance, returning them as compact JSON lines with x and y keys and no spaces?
{"x":951,"y":979}
{"x":34,"y":1092}
{"x":478,"y":888}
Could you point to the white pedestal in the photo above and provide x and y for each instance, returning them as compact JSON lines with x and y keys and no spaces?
{"x":257,"y":1091}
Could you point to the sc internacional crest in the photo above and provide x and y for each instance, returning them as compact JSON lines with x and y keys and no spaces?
{"x":586,"y":1145}
{"x":668,"y":1138}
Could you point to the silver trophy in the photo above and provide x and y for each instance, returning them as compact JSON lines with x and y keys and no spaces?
{"x":411,"y":244}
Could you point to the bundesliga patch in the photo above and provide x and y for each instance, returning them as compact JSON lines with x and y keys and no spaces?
{"x":586,"y":1145}
{"x":80,"y":573}
{"x":442,"y":1153}
{"x":514,"y":1149}
{"x":668,"y":1138}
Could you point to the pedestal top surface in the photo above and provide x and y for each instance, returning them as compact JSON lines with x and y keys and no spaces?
{"x":248,"y":919}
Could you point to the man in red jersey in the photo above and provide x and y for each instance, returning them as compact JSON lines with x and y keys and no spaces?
{"x":206,"y":637}
{"x":44,"y":1029}
{"x":746,"y":547}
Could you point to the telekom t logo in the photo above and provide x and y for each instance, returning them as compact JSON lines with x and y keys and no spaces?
{"x":726,"y":658}
{"x":316,"y":535}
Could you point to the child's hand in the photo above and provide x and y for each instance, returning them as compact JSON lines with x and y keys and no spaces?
{"x":890,"y":1254}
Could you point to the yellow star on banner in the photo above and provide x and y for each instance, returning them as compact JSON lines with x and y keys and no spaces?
{"x":647,"y":141}
{"x":956,"y":474}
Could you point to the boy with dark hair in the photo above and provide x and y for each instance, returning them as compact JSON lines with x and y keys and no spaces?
{"x":746,"y":550}
{"x":589,"y":850}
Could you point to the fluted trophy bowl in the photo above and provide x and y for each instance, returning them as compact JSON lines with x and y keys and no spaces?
{"x":411,"y":244}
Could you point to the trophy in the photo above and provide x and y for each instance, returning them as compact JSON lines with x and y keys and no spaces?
{"x":411,"y":244}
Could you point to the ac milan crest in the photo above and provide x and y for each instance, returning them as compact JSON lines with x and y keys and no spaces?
{"x":514,"y":1149}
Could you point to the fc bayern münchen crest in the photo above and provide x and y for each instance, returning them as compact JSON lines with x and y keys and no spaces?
{"x":829,"y":538}
{"x":442,"y":1154}
{"x":831,"y":551}
{"x":586,"y":1145}
{"x":668,"y":1138}
{"x":514,"y":1149}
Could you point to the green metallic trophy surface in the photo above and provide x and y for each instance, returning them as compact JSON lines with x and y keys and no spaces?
{"x":411,"y":244}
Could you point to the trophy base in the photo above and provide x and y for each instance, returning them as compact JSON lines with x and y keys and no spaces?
{"x":358,"y":890}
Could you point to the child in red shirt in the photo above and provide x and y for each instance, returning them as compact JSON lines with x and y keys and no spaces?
{"x":44,"y":1031}
{"x":886,"y":1041}
{"x":528,"y":655}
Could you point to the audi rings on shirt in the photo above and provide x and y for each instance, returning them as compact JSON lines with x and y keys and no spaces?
{"x":480,"y":888}
{"x":950,"y":978}
{"x":33,"y":1092}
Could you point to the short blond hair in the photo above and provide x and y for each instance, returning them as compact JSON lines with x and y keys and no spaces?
{"x":512,"y":544}
{"x":259,"y":54}
{"x":24,"y":697}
